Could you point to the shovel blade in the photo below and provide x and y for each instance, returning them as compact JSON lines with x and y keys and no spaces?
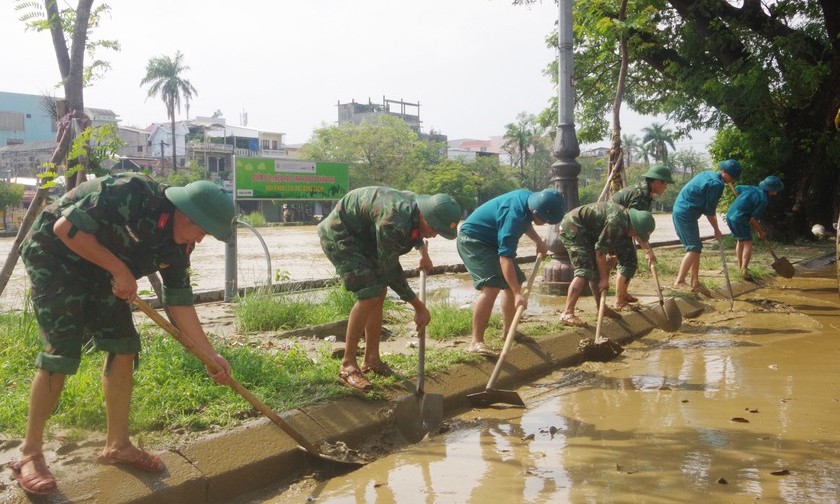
{"x":416,"y":415}
{"x":783,"y":267}
{"x":488,"y":397}
{"x":673,"y":316}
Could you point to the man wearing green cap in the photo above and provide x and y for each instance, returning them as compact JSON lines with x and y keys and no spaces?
{"x":590,"y":233}
{"x":743,"y":216}
{"x":364,"y":237}
{"x":698,"y":197}
{"x":487,"y":244}
{"x":639,"y":197}
{"x":83,"y":256}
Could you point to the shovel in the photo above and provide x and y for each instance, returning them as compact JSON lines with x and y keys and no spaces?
{"x":419,"y":413}
{"x":780,"y":264}
{"x":726,"y":274}
{"x":491,"y":395}
{"x":341,"y":455}
{"x":673,"y":316}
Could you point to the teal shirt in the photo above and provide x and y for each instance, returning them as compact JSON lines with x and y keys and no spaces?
{"x":750,"y":203}
{"x":700,"y":195}
{"x":500,"y":222}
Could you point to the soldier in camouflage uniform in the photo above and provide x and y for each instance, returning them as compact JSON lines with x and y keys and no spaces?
{"x":364,"y":237}
{"x":640,"y":197}
{"x":83,"y":256}
{"x":590,"y":233}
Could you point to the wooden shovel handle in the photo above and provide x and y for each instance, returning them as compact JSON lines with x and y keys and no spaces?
{"x":513,"y":325}
{"x":214,"y":367}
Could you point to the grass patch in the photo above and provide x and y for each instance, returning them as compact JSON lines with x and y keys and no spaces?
{"x":266,"y":311}
{"x":449,"y":321}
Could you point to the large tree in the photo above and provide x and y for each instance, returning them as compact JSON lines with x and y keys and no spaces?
{"x":165,"y":77}
{"x":768,"y":70}
{"x":382,"y":150}
{"x":68,"y":28}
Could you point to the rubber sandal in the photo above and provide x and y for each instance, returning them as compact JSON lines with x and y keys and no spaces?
{"x":609,"y":312}
{"x":701,"y":289}
{"x":41,"y":482}
{"x":382,"y":369}
{"x":572,"y":321}
{"x":355,"y":380}
{"x":146,"y":461}
{"x":482,"y":349}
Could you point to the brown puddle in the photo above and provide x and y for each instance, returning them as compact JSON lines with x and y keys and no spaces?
{"x":739,"y":406}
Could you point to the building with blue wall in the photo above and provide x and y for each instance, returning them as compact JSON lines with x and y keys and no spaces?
{"x":24,"y":119}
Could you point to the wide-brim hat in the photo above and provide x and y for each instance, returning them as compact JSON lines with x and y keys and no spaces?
{"x":732,"y":167}
{"x":659,"y":172}
{"x":643,"y":223}
{"x":442,"y":213}
{"x":547,"y":205}
{"x":772,"y":184}
{"x":207,"y":205}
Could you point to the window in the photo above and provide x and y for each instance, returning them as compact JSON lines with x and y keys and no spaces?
{"x":11,"y":121}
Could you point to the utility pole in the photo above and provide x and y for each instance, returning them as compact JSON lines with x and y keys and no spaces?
{"x":564,"y":172}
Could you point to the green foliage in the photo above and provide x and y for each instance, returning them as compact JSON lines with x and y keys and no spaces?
{"x":255,"y":219}
{"x":183,"y":177}
{"x":493,"y":179}
{"x":35,"y":16}
{"x":10,"y":195}
{"x":382,"y":150}
{"x":98,"y":144}
{"x":449,"y":177}
{"x":765,"y":70}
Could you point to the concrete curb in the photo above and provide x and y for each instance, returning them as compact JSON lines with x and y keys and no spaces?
{"x":219,"y":468}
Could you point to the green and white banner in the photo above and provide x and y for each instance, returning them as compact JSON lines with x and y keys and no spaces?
{"x":289,"y":179}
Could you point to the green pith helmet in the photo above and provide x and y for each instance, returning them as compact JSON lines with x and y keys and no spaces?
{"x":772,"y":184}
{"x":442,"y":213}
{"x":643,"y":223}
{"x":548,"y":205}
{"x":732,"y":167}
{"x":659,"y":172}
{"x":207,"y":205}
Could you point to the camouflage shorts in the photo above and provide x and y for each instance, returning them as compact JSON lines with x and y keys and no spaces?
{"x":74,"y":304}
{"x":581,"y":254}
{"x":355,"y":263}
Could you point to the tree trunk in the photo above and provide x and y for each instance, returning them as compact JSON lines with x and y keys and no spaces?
{"x":616,"y":155}
{"x":174,"y":145}
{"x":71,"y":66}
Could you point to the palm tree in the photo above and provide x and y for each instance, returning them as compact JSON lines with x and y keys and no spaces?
{"x":519,"y":137}
{"x":658,"y":138}
{"x":165,"y":76}
{"x":631,"y":145}
{"x":644,"y":153}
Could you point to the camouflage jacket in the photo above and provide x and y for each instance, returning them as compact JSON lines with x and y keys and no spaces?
{"x":130,"y":216}
{"x":600,"y":225}
{"x":385,"y":223}
{"x":638,"y":197}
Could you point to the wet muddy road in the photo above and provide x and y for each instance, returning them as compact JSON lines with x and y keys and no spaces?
{"x":739,"y":406}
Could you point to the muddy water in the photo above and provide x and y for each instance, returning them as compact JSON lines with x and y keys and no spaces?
{"x":709,"y":413}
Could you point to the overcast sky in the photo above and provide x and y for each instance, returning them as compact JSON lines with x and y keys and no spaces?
{"x":473,"y":65}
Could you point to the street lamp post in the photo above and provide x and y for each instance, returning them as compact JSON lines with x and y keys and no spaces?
{"x":564,"y":172}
